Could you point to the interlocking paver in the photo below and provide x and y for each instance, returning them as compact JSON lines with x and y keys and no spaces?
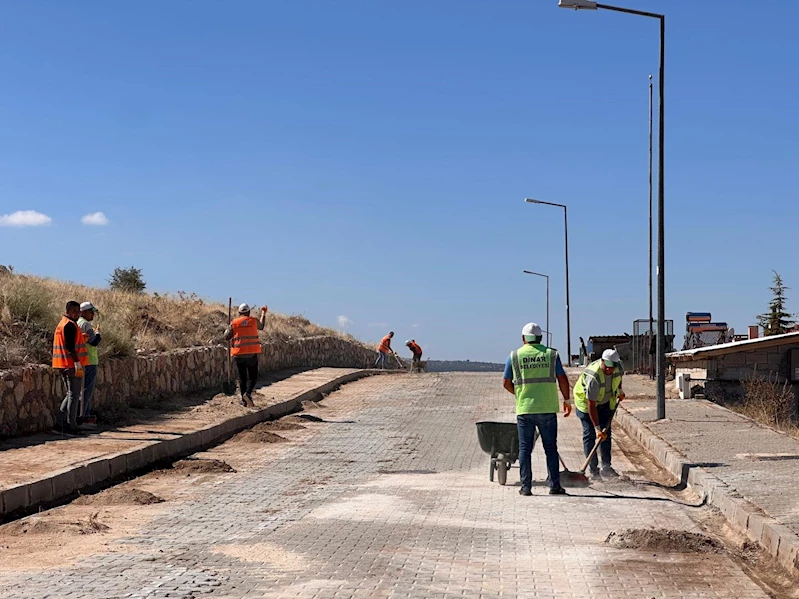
{"x":389,"y":497}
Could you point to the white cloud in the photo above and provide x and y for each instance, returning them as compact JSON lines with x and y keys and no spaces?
{"x":378,"y":324}
{"x":414,"y":326}
{"x":97,"y":219}
{"x":344,"y":322}
{"x":25,"y":218}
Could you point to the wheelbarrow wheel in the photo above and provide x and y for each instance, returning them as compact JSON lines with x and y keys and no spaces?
{"x":491,"y":467}
{"x":502,"y":472}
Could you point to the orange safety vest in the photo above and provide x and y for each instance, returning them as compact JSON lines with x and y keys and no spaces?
{"x":385,"y":345}
{"x":414,"y":347}
{"x":61,"y":359}
{"x":245,"y":337}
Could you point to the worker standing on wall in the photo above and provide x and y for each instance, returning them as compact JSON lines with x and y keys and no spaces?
{"x":534,"y":373}
{"x":245,"y":349}
{"x":69,"y":359}
{"x":383,"y":350}
{"x":416,"y":350}
{"x":596,"y":395}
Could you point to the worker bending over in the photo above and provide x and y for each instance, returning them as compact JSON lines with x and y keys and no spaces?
{"x":416,"y":350}
{"x":533,"y":373}
{"x":596,"y":395}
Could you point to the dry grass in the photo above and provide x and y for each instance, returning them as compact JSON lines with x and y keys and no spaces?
{"x":130,"y":323}
{"x":769,"y":402}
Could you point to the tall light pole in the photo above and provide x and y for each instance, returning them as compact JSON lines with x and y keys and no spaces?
{"x":649,"y":267}
{"x":566,"y":240}
{"x":661,"y":317}
{"x":549,"y":334}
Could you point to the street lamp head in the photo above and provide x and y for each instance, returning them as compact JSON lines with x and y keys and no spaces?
{"x":577,"y":4}
{"x":531,"y":201}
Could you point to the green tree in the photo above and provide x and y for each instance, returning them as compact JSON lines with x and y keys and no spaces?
{"x":127,"y":279}
{"x":776,"y":321}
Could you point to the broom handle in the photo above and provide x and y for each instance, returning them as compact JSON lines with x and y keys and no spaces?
{"x":598,"y":441}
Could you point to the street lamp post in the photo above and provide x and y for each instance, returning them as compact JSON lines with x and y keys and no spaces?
{"x":566,"y":240}
{"x":661,"y":282}
{"x":549,"y":334}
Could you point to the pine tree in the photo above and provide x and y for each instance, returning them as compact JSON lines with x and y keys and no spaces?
{"x":776,"y":321}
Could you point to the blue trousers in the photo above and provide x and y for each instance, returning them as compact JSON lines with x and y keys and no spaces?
{"x":89,"y":380}
{"x":547,"y":425}
{"x":381,"y":360}
{"x":589,"y":435}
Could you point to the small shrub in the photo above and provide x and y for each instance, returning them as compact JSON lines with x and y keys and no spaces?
{"x":769,"y":402}
{"x":127,"y":279}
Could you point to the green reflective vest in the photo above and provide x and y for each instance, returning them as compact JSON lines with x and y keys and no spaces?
{"x":534,"y":380}
{"x":90,"y":349}
{"x":608,"y":386}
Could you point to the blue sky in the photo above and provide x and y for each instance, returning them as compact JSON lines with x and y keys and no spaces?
{"x":370,"y":159}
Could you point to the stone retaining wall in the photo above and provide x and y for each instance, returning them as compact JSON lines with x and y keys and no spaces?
{"x":30,"y":396}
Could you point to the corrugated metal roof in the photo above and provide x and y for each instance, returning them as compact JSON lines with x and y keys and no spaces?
{"x":735,"y":346}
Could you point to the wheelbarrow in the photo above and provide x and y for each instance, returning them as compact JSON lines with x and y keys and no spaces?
{"x":500,"y":440}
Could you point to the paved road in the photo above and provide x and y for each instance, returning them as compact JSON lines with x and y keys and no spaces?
{"x":389,"y":497}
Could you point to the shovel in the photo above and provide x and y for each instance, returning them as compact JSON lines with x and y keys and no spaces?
{"x":574,"y":478}
{"x":228,"y":386}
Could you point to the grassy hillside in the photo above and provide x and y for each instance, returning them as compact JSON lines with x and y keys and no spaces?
{"x":130,"y":323}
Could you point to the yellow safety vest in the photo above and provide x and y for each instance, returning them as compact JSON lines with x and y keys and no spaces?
{"x":608,"y":386}
{"x":534,"y":380}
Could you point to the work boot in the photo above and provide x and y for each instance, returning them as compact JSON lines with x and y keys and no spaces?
{"x":609,"y":472}
{"x":250,"y":402}
{"x":525,"y":491}
{"x":594,"y":475}
{"x":557,"y":491}
{"x":243,"y":401}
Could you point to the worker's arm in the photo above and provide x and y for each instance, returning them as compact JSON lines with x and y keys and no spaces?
{"x":70,"y":336}
{"x":262,"y":319}
{"x":229,"y":333}
{"x":563,"y":384}
{"x":507,"y":378}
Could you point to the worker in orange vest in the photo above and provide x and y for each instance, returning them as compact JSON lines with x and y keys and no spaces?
{"x":383,"y":349}
{"x":69,"y":359}
{"x":245,"y":349}
{"x":416,"y":350}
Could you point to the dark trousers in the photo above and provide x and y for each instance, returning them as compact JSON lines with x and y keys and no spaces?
{"x":248,"y":372}
{"x":89,"y":380}
{"x":547,"y":425}
{"x":68,"y":413}
{"x":589,"y":435}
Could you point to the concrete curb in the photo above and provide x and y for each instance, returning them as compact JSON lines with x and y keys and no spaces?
{"x":780,"y":541}
{"x":58,"y":485}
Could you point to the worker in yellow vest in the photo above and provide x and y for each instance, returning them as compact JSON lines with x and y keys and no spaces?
{"x":534,"y":373}
{"x":596,"y":396}
{"x":69,"y":359}
{"x":245,"y":348}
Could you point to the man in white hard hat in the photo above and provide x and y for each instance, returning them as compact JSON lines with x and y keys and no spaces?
{"x":91,"y":332}
{"x":245,"y":349}
{"x":596,"y":395}
{"x":534,"y":373}
{"x":416,"y":350}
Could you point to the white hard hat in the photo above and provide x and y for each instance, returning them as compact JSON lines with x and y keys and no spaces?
{"x":611,"y":357}
{"x":244,"y":308}
{"x":531,"y":329}
{"x":407,"y":342}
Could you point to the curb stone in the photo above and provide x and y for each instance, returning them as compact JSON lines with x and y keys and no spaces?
{"x":63,"y":483}
{"x":780,"y":541}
